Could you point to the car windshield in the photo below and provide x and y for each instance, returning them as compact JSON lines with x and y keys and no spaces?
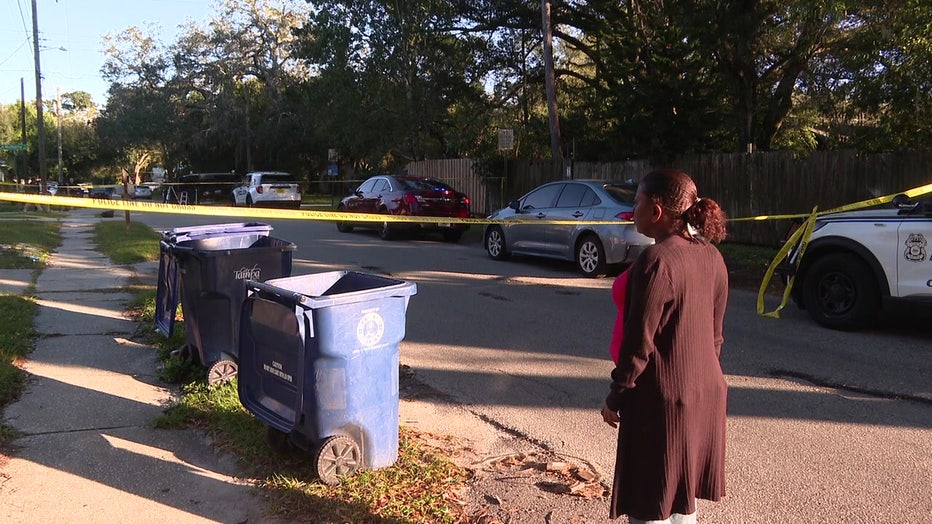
{"x":622,"y":193}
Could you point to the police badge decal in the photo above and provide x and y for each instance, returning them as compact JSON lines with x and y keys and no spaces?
{"x":915,"y":248}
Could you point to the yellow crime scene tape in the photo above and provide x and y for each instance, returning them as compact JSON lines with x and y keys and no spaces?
{"x":256,"y":212}
{"x":801,"y":236}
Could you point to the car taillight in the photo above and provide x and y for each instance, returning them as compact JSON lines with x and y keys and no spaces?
{"x":298,"y":188}
{"x":625,"y":215}
{"x":259,"y":189}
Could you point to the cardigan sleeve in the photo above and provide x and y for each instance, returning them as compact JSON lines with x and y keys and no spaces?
{"x":721,"y":301}
{"x":649,"y":299}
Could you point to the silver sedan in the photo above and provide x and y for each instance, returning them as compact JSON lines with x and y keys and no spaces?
{"x":593,"y":247}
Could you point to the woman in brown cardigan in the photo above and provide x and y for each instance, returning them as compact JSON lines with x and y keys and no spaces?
{"x":668,"y":391}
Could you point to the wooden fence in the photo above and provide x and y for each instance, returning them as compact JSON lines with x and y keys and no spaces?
{"x":746,"y":185}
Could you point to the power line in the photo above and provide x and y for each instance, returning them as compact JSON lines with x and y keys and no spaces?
{"x":7,"y":59}
{"x":22,"y":18}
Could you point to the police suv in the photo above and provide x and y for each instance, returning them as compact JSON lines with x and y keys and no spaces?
{"x":859,"y":262}
{"x":268,"y":189}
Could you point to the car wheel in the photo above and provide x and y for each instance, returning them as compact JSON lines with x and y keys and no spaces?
{"x":495,"y":243}
{"x":452,"y":236}
{"x":249,"y":202}
{"x":385,"y":230}
{"x":590,"y":257}
{"x":232,"y":200}
{"x":343,"y":227}
{"x":840,"y":292}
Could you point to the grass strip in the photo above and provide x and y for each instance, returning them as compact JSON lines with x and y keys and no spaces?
{"x":24,"y":244}
{"x":127,"y":244}
{"x":17,"y":336}
{"x":420,"y":487}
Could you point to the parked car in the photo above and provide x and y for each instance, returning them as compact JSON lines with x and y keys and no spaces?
{"x":857,"y":263}
{"x":142,"y":192}
{"x":406,"y":195}
{"x":116,"y":192}
{"x":267,"y":189}
{"x":105,"y":192}
{"x":595,"y":248}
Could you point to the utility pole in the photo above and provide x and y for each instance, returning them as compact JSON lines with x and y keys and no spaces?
{"x":58,"y":117}
{"x":549,"y":82}
{"x":22,"y":115}
{"x":40,"y":123}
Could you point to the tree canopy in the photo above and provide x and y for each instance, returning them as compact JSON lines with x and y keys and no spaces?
{"x":278,"y":84}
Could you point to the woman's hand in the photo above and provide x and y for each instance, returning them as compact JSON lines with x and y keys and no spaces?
{"x":610,"y":417}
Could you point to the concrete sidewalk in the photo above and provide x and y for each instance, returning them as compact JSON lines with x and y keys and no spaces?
{"x":88,"y":451}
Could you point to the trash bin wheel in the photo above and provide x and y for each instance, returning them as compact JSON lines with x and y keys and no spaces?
{"x":337,"y":457}
{"x":221,"y":371}
{"x":278,"y":441}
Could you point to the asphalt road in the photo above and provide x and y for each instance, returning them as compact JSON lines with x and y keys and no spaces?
{"x":824,"y":426}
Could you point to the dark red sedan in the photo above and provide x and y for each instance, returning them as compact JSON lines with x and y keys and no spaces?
{"x":406,"y":195}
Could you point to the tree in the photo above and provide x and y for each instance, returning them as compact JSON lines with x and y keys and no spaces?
{"x":414,"y":79}
{"x":881,"y":93}
{"x":216,"y":95}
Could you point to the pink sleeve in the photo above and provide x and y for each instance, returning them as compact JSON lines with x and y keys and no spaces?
{"x":618,"y":296}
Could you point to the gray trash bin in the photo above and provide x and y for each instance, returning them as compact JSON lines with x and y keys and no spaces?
{"x":211,"y":271}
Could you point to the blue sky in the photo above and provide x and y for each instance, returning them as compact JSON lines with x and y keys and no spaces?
{"x":71,"y":38}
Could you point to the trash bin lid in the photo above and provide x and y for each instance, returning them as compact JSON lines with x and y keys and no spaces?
{"x":184,"y":233}
{"x":332,"y":288}
{"x":225,"y":245}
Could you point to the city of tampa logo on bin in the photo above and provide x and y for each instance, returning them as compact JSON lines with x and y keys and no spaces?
{"x":371,"y":328}
{"x":244,"y":273}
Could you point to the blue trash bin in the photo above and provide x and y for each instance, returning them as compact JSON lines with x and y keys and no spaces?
{"x":210,"y":273}
{"x":318,"y":363}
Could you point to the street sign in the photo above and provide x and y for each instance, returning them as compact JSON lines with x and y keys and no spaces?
{"x":506,"y":139}
{"x":14,"y":147}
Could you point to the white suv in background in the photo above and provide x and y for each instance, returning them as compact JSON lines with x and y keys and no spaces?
{"x":268,"y":189}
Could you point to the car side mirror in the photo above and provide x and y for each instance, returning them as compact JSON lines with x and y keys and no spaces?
{"x":514,"y":205}
{"x":905,"y":205}
{"x":901,"y":201}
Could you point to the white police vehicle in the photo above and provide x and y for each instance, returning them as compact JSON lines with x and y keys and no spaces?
{"x":859,"y":262}
{"x":268,"y":189}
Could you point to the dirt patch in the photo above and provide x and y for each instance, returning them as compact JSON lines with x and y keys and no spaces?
{"x":513,"y":480}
